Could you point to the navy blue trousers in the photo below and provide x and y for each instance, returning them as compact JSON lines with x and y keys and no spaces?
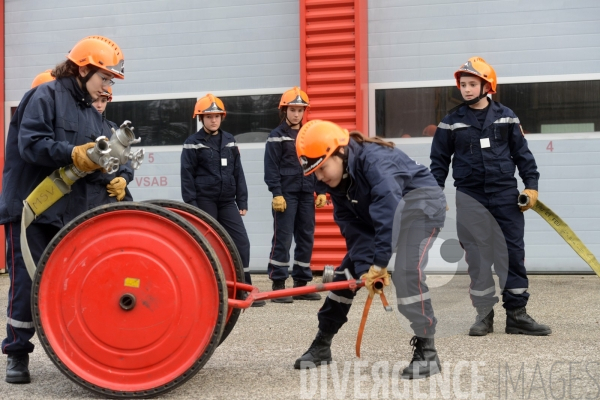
{"x":490,"y":227}
{"x":414,"y":302}
{"x":19,"y":327}
{"x":228,"y":215}
{"x":297,"y":222}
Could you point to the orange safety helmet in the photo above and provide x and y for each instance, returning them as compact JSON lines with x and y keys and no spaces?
{"x":479,"y":67}
{"x":317,"y":141}
{"x":294,"y":97}
{"x":209,"y":104}
{"x":42,"y":77}
{"x":108,"y":93}
{"x":100,"y":52}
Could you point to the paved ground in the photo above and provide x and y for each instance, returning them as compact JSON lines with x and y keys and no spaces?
{"x":256,"y":360}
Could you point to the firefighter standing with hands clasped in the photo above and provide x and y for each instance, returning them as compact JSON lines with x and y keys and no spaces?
{"x":485,"y":142}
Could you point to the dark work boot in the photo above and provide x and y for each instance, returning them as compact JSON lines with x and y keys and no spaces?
{"x":307,"y":296}
{"x":425,"y":361}
{"x":279,"y":285}
{"x":484,"y":322}
{"x":17,"y":368}
{"x":518,"y":321}
{"x":318,"y":353}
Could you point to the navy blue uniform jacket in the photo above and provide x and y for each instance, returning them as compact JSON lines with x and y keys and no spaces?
{"x":283,"y":172}
{"x":50,"y":121}
{"x":204,"y":176}
{"x":379,"y":179}
{"x":492,"y":168}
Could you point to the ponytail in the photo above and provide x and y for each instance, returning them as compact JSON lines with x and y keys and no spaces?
{"x":360,"y":138}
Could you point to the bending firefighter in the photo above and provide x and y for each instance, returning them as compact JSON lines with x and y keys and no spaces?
{"x":212,"y":177}
{"x":485,"y":142}
{"x":53,"y":126}
{"x":293,"y":199}
{"x":370,"y":181}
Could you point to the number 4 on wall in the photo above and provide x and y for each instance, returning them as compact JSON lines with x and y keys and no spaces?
{"x":550,"y":147}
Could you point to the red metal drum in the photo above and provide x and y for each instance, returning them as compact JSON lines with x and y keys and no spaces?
{"x":222,"y":244}
{"x":129,"y":300}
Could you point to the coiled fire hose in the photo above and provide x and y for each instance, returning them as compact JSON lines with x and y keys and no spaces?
{"x":109,"y":154}
{"x":564,"y":231}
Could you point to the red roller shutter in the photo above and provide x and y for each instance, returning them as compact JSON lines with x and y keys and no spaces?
{"x":334,"y":73}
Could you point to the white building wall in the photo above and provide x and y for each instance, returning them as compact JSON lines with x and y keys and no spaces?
{"x":423,"y":40}
{"x":569,"y":185}
{"x":170,"y":46}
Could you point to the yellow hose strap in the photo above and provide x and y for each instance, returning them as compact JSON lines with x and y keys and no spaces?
{"x":567,"y":234}
{"x":43,"y":196}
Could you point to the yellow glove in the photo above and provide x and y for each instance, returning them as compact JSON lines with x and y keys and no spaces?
{"x":374,"y":273}
{"x":321,"y":201}
{"x":279,"y":204}
{"x":116,"y":188}
{"x":81,"y":159}
{"x":533,"y":196}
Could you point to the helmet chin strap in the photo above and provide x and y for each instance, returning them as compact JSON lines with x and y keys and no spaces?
{"x":476,"y":99}
{"x":291,"y":124}
{"x":209,"y":131}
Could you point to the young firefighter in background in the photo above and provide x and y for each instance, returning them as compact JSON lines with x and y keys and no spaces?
{"x":53,"y":127}
{"x":485,"y":142}
{"x":293,"y":199}
{"x":109,"y":188}
{"x":212,"y":177}
{"x":382,"y":200}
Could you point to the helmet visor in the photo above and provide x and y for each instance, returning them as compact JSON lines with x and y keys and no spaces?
{"x":309,"y":165}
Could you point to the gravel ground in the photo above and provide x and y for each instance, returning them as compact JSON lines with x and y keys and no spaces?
{"x":256,"y":360}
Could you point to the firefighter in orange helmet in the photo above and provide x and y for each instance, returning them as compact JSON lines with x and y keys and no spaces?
{"x":42,"y":77}
{"x":485,"y":142}
{"x":50,"y":129}
{"x":109,"y":188}
{"x":376,"y":189}
{"x":212,"y":177}
{"x":293,"y":199}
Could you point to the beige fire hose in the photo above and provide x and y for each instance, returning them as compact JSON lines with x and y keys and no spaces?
{"x":564,"y":231}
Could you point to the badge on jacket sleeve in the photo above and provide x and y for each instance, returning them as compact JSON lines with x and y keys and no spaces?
{"x":485,"y":143}
{"x":223,"y":162}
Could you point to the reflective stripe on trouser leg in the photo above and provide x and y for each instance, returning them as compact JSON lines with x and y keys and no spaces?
{"x":412,"y":293}
{"x":476,"y":230}
{"x":283,"y":232}
{"x":333,"y":314}
{"x":19,"y":327}
{"x":304,"y":237}
{"x":512,"y":223}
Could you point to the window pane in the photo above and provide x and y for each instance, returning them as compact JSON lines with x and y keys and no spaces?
{"x":157,"y":122}
{"x":548,"y":107}
{"x":252,"y":117}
